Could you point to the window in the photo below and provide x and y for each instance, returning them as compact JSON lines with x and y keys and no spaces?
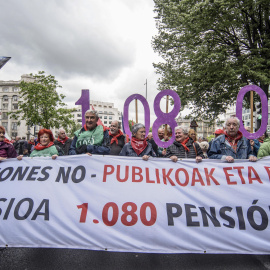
{"x":110,"y":106}
{"x":4,"y":116}
{"x":110,"y":117}
{"x":15,"y":98}
{"x":79,"y":115}
{"x":5,"y":98}
{"x":105,"y":122}
{"x":110,"y":122}
{"x":5,"y":90}
{"x":5,"y":125}
{"x":14,"y":126}
{"x":79,"y":120}
{"x":5,"y":106}
{"x":15,"y":89}
{"x":15,"y":106}
{"x":105,"y":117}
{"x":120,"y":118}
{"x":105,"y":106}
{"x":100,"y":117}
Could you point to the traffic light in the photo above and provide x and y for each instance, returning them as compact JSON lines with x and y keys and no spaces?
{"x":258,"y":115}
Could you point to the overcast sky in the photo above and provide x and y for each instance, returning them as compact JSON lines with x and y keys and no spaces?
{"x":104,"y":46}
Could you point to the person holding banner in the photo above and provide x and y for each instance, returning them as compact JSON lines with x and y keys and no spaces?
{"x":45,"y":146}
{"x":117,"y":138}
{"x":184,"y":146}
{"x":63,"y":141}
{"x":7,"y":150}
{"x":92,"y":138}
{"x":231,"y":145}
{"x":138,"y":146}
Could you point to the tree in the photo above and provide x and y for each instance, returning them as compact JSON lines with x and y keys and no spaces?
{"x":40,"y":104}
{"x":211,"y":49}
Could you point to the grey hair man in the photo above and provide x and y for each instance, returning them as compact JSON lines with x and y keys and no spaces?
{"x":63,"y":141}
{"x":231,"y":145}
{"x":91,"y":138}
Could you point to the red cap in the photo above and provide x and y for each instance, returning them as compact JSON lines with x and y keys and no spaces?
{"x":219,"y":131}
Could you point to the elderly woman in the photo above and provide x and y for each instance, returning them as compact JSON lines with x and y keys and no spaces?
{"x":45,"y":146}
{"x":7,"y":150}
{"x":138,"y":146}
{"x":184,"y":146}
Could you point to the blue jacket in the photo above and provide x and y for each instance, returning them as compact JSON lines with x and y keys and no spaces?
{"x":220,"y":148}
{"x":93,"y":149}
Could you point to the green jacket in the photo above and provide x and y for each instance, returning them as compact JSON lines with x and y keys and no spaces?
{"x":264,"y":149}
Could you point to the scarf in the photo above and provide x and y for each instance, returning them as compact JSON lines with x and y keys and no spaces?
{"x":184,"y":144}
{"x":233,"y":141}
{"x":41,"y":147}
{"x":62,"y":141}
{"x":115,"y":136}
{"x":29,"y":142}
{"x":138,"y":145}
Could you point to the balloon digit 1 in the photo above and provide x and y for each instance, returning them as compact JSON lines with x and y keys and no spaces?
{"x":146,"y":113}
{"x":239,"y":105}
{"x":165,"y":118}
{"x":84,"y":100}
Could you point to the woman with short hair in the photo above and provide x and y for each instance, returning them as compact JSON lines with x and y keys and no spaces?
{"x":138,"y":146}
{"x":45,"y":146}
{"x":184,"y":146}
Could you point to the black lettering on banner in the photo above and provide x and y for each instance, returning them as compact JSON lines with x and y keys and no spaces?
{"x":5,"y":177}
{"x":212,"y":217}
{"x":62,"y":174}
{"x":8,"y":208}
{"x":32,"y":173}
{"x":250,"y":217}
{"x":74,"y":174}
{"x":2,"y":200}
{"x":38,"y":212}
{"x":20,"y":172}
{"x":222,"y":213}
{"x":171,"y":214}
{"x":239,"y":211}
{"x":28,"y":212}
{"x":45,"y":173}
{"x":190,"y":214}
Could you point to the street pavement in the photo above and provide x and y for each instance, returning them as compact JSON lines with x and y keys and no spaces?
{"x":41,"y":258}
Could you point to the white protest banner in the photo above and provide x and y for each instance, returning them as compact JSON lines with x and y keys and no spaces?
{"x":127,"y":204}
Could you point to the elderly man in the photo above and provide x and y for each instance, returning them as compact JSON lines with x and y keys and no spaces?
{"x":92,"y":138}
{"x":63,"y":141}
{"x":117,"y":139}
{"x":184,"y":146}
{"x":231,"y":145}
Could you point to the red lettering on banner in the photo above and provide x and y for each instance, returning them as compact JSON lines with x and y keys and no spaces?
{"x":106,"y":172}
{"x":239,"y":169}
{"x":118,"y":174}
{"x":210,"y":176}
{"x":157,"y":176}
{"x":139,"y":173}
{"x":147,"y":176}
{"x":200,"y":180}
{"x":177,"y":177}
{"x":167,"y":176}
{"x":268,"y":171}
{"x":256,"y":178}
{"x":228,"y":176}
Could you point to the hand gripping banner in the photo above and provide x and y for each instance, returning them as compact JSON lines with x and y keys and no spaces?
{"x":127,"y":204}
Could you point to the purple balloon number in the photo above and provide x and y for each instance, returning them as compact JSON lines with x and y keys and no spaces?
{"x":146,"y":113}
{"x":165,"y":118}
{"x":84,"y":100}
{"x":239,"y":105}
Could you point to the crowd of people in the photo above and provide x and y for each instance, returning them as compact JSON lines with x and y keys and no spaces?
{"x":229,"y":143}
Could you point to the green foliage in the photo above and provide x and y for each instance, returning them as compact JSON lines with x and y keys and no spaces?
{"x":72,"y":128}
{"x":40,"y":104}
{"x":212,"y":48}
